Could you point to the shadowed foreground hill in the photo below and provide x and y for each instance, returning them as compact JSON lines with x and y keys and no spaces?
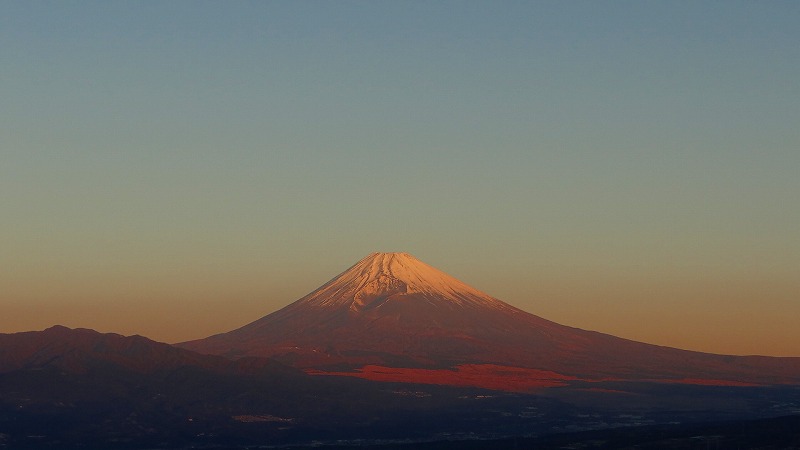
{"x":780,"y":433}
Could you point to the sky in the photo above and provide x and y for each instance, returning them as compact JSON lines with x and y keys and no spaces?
{"x":179,"y":169}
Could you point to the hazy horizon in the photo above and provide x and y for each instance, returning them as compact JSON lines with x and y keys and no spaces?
{"x":180,"y":169}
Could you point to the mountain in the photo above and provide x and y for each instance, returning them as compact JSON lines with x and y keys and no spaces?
{"x":392,"y":317}
{"x":81,"y":350}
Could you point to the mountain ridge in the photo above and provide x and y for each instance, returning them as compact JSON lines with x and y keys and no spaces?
{"x":82,"y":350}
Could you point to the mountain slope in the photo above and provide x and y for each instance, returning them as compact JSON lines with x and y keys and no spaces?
{"x":391,"y":309}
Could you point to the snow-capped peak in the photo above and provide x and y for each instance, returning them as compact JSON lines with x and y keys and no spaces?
{"x":382,"y":275}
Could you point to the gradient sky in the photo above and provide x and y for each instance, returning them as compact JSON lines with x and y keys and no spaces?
{"x":178,"y":169}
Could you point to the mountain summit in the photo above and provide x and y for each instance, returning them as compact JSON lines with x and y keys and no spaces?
{"x":394,"y":311}
{"x":385,"y":278}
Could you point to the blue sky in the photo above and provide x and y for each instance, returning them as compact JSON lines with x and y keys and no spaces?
{"x":603,"y":164}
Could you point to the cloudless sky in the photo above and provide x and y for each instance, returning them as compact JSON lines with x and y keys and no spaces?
{"x":178,"y":169}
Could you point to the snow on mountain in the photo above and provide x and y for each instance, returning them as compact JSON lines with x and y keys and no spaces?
{"x":382,"y":277}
